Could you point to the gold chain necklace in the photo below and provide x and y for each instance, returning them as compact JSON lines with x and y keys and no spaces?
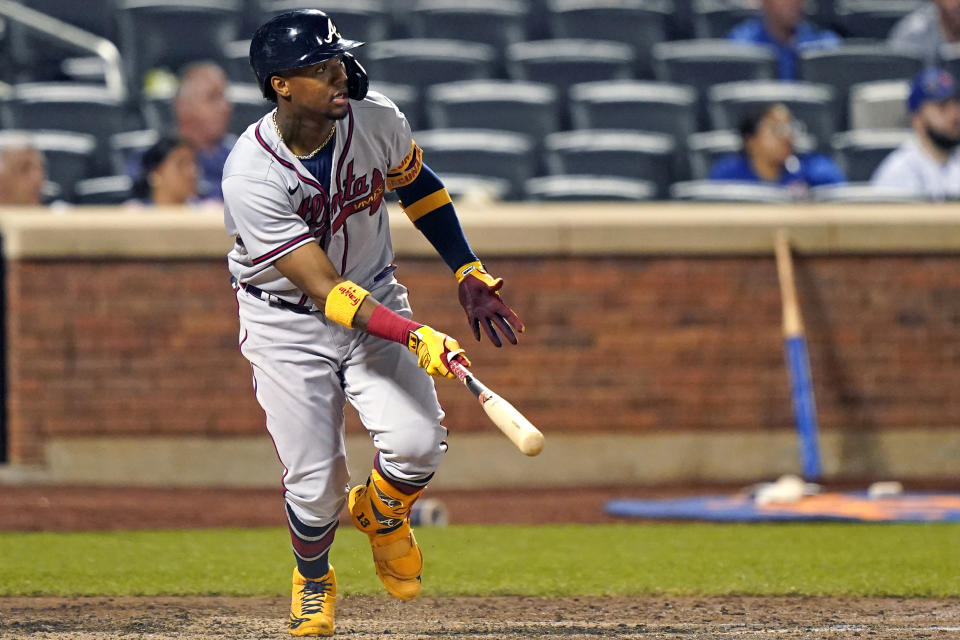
{"x":333,"y":130}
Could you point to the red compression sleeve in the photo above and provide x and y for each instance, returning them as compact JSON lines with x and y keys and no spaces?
{"x":388,"y":325}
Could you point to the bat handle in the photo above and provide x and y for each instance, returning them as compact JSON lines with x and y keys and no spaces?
{"x":459,"y":369}
{"x":473,"y":385}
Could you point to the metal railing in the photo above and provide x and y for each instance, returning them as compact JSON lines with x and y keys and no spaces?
{"x":68,"y":34}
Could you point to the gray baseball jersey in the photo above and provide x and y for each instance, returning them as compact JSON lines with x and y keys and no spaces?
{"x":305,"y":366}
{"x":273,"y":204}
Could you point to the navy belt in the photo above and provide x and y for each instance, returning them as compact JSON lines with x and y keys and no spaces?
{"x":271,"y":298}
{"x":277,"y":301}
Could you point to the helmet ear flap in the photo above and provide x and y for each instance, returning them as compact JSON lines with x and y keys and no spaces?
{"x":357,"y":80}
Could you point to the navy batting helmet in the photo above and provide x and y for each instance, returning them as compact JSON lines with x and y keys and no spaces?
{"x":298,"y":39}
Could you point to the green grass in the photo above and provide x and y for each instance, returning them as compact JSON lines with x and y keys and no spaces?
{"x":628,"y":559}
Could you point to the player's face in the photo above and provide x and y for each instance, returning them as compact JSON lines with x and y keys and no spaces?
{"x":320,"y":89}
{"x":174,"y":181}
{"x":773,"y":141}
{"x":22,"y":176}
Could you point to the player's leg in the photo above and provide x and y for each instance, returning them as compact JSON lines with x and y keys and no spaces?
{"x":299,"y":390}
{"x":398,"y":405}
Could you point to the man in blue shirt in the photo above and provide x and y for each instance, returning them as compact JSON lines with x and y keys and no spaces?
{"x":783,"y":28}
{"x":202,"y":112}
{"x":768,"y":155}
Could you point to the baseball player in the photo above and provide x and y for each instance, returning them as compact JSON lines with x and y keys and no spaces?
{"x":323,"y":320}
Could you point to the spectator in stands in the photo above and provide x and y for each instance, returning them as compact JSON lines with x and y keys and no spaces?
{"x":169,"y":174}
{"x":925,"y":30}
{"x":784,"y":29}
{"x":928,"y":164}
{"x":768,"y":155}
{"x":23,"y":171}
{"x":203,"y":112}
{"x":202,"y":117}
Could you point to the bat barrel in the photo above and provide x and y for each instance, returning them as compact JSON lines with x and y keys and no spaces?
{"x":531,"y":444}
{"x":521,"y":432}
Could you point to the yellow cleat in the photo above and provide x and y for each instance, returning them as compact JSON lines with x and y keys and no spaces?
{"x":383,"y":513}
{"x":312,"y":605}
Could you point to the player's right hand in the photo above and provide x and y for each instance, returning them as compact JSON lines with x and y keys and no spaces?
{"x":434,"y":350}
{"x":479,"y":295}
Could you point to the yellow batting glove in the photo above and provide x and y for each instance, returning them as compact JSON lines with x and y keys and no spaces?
{"x":434,"y":350}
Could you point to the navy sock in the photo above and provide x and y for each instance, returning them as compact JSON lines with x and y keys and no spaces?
{"x":311,"y":545}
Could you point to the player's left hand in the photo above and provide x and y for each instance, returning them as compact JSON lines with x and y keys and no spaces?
{"x":479,"y":294}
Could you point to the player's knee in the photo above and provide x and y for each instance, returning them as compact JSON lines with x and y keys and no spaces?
{"x":421,"y":448}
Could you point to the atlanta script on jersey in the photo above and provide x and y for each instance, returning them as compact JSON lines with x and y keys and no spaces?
{"x":273,"y":205}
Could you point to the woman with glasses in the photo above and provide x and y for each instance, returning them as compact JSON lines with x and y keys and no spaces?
{"x":769,"y":156}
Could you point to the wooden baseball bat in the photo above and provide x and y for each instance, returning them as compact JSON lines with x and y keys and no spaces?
{"x":798,"y":361}
{"x":521,"y":432}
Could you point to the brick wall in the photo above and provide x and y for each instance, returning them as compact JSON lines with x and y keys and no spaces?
{"x":614,"y":344}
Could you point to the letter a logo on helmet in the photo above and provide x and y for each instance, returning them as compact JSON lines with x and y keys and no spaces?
{"x":300,"y":38}
{"x":332,"y":33}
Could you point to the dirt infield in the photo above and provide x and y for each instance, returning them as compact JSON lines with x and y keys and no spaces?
{"x":503,"y":618}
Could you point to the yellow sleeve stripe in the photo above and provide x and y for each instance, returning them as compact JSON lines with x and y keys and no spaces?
{"x":426,"y":204}
{"x":409,"y":171}
{"x":403,"y":164}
